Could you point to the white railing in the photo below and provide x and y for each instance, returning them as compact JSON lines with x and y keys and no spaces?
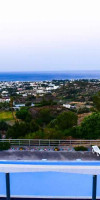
{"x":47,"y":142}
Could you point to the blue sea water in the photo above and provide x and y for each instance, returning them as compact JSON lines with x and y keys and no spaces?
{"x":49,"y":184}
{"x":41,"y":76}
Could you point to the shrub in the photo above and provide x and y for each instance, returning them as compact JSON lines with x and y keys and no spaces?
{"x":81,"y":148}
{"x":56,"y":149}
{"x":83,"y":110}
{"x":28,"y":103}
{"x":4,"y":146}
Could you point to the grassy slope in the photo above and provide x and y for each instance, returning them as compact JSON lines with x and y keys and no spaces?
{"x":82,"y":116}
{"x":6,"y":115}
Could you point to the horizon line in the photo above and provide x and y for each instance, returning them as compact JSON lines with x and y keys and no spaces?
{"x":48,"y":71}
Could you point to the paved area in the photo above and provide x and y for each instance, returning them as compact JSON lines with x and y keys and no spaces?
{"x":69,"y":167}
{"x":2,"y":198}
{"x":29,"y":155}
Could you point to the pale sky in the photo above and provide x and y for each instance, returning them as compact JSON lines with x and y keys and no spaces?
{"x":49,"y":35}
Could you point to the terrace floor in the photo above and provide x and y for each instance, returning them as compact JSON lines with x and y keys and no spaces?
{"x":39,"y":155}
{"x":4,"y":198}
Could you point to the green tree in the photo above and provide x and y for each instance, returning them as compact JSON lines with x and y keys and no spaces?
{"x":18,"y":130}
{"x":73,"y":132}
{"x":66,"y":120}
{"x":35,"y":135}
{"x":4,"y":105}
{"x":90,"y":127}
{"x":51,"y":133}
{"x":11,"y":106}
{"x":34,"y":126}
{"x":44,"y":116}
{"x":3,"y":126}
{"x":53,"y":123}
{"x":96,"y":101}
{"x":24,"y":114}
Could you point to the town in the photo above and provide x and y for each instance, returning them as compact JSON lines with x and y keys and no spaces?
{"x":68,"y":93}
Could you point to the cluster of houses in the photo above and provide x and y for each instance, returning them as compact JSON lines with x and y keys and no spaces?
{"x":27,"y":88}
{"x":78,"y":91}
{"x":24,"y":89}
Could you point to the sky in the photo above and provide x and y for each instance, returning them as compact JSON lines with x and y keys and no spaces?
{"x":49,"y":35}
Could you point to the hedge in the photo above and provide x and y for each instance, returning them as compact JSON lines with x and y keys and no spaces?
{"x":4,"y":146}
{"x":81,"y":148}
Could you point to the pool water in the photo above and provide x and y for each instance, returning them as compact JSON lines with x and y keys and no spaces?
{"x":49,"y":184}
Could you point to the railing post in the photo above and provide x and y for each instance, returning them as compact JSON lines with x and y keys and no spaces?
{"x":29,"y":143}
{"x":8,"y":186}
{"x":49,"y":143}
{"x":94,"y":187}
{"x":59,"y":142}
{"x":40,"y":142}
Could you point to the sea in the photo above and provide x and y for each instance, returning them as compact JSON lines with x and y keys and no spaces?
{"x":43,"y":76}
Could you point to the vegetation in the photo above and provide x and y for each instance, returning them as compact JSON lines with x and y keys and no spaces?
{"x":23,"y":114}
{"x":4,"y":146}
{"x":6,"y":115}
{"x":4,"y":105}
{"x":90,"y":127}
{"x":44,"y":102}
{"x":44,"y":116}
{"x":3,"y":126}
{"x":49,"y":119}
{"x":18,"y":130}
{"x":81,"y":148}
{"x":47,"y":124}
{"x":83,"y":110}
{"x":96,"y":100}
{"x":66,"y":120}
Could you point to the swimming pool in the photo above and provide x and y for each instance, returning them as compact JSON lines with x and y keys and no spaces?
{"x":50,"y":183}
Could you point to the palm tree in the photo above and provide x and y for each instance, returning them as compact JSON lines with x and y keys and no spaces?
{"x":11,"y":106}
